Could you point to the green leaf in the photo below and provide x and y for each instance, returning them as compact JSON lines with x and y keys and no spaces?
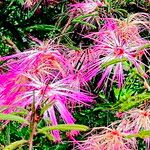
{"x":103,"y":107}
{"x":144,"y":46}
{"x":14,"y":145}
{"x":12,"y":117}
{"x":114,"y":61}
{"x":121,"y":11}
{"x":85,"y":16}
{"x":42,"y":27}
{"x":20,"y":111}
{"x":142,"y":134}
{"x":64,"y":127}
{"x":17,"y":1}
{"x":46,"y":107}
{"x":79,"y":20}
{"x":131,"y":101}
{"x":84,"y":23}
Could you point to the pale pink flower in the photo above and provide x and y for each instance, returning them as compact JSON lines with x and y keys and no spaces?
{"x":134,"y":121}
{"x":108,"y":139}
{"x":138,"y":120}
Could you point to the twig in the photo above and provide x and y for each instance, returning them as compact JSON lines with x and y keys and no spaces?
{"x":11,"y":44}
{"x":33,"y":123}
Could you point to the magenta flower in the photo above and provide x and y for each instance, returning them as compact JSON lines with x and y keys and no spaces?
{"x":114,"y":48}
{"x":42,"y":73}
{"x":42,"y":59}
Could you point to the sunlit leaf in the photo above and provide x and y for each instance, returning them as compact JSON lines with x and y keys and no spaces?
{"x":12,"y":117}
{"x":142,"y":134}
{"x":14,"y":145}
{"x":64,"y":127}
{"x":114,"y":61}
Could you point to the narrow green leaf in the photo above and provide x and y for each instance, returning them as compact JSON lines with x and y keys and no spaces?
{"x":84,"y":23}
{"x":46,"y":107}
{"x":42,"y":27}
{"x":132,"y":101}
{"x":79,"y":20}
{"x":64,"y":127}
{"x":144,"y":46}
{"x":17,"y":1}
{"x":142,"y":134}
{"x":12,"y":117}
{"x":14,"y":145}
{"x":114,"y":61}
{"x":85,"y":16}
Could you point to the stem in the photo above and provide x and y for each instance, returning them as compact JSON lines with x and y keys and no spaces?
{"x":33,"y":123}
{"x":32,"y":136}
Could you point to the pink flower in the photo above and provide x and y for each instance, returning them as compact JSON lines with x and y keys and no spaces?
{"x":44,"y":58}
{"x":80,"y":60}
{"x":140,"y":119}
{"x":113,"y":45}
{"x":108,"y":139}
{"x":44,"y":74}
{"x":87,"y":7}
{"x":136,"y":120}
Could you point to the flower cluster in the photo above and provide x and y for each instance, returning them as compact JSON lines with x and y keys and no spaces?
{"x":52,"y":75}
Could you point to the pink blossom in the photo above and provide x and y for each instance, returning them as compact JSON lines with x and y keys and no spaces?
{"x":137,"y":120}
{"x":44,"y":74}
{"x":108,"y":139}
{"x":112,"y":44}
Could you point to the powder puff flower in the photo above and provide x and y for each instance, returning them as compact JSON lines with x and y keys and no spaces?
{"x":136,"y":120}
{"x":108,"y":139}
{"x":42,"y":73}
{"x":111,"y":46}
{"x":44,"y":58}
{"x":140,"y":119}
{"x":80,"y":60}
